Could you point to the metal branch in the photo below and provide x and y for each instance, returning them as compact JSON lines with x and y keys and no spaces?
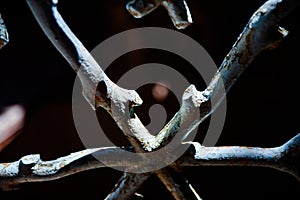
{"x":127,"y":185}
{"x":31,"y":168}
{"x":261,"y":33}
{"x":179,"y":13}
{"x":4,"y":39}
{"x":285,"y":158}
{"x":262,"y":26}
{"x":177,"y":184}
{"x":93,"y":78}
{"x":115,"y":100}
{"x":140,"y":8}
{"x":177,"y":10}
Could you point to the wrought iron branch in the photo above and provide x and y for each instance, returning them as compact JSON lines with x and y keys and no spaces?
{"x":90,"y":73}
{"x":127,"y":185}
{"x":177,"y":10}
{"x":32,"y":169}
{"x":261,"y":33}
{"x":98,"y":89}
{"x":285,"y":158}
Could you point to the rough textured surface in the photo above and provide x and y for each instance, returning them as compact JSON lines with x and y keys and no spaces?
{"x":243,"y":59}
{"x":177,"y":10}
{"x":31,"y":168}
{"x":117,"y":101}
{"x":284,"y":158}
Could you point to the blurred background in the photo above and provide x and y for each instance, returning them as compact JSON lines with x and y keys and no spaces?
{"x":262,"y":107}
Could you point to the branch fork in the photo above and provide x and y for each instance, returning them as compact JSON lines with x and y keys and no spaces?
{"x":261,"y":33}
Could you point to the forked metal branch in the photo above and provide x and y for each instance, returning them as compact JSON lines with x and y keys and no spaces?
{"x":262,"y":32}
{"x":91,"y":75}
{"x":31,"y":168}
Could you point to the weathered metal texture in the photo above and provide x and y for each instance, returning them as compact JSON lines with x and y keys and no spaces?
{"x":285,"y":158}
{"x":261,"y":33}
{"x":127,"y":185}
{"x":91,"y":75}
{"x":32,"y":169}
{"x":4,"y":39}
{"x":177,"y":184}
{"x":177,"y":10}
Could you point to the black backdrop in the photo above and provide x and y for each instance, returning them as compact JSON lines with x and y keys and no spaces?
{"x":262,"y":106}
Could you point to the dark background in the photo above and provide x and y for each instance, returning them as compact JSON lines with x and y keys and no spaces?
{"x":262,"y":107}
